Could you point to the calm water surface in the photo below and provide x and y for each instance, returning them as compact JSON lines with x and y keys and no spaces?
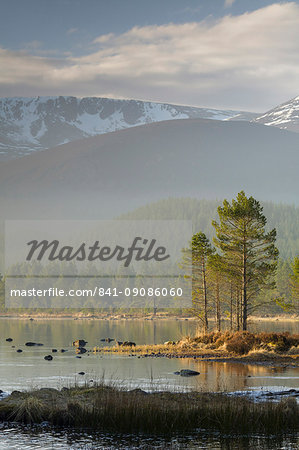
{"x":17,"y":437}
{"x":29,"y":369}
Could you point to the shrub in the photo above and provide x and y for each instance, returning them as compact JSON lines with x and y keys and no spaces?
{"x":241,"y":342}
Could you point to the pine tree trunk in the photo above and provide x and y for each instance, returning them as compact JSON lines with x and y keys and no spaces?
{"x":244,"y":292}
{"x":238,"y":310}
{"x":204,"y":287}
{"x":218,"y":315}
{"x":231,"y":307}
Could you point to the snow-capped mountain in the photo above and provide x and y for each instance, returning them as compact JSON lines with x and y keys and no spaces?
{"x":285,"y":116}
{"x":30,"y":124}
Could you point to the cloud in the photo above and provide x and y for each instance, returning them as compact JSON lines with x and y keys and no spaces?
{"x":229,"y":3}
{"x":248,"y":61}
{"x":72,"y":31}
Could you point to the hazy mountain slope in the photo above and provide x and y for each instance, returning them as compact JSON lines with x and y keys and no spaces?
{"x":284,"y":116}
{"x":109,"y":174}
{"x":30,"y":124}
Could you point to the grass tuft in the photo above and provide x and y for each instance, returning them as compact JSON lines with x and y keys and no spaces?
{"x":28,"y":410}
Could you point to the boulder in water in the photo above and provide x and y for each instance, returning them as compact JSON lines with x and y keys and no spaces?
{"x":80,"y":350}
{"x":33,"y":344}
{"x":187,"y":373}
{"x":79,"y":343}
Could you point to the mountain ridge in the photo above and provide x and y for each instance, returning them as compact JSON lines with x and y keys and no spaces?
{"x":109,"y":174}
{"x":284,"y":116}
{"x":30,"y":124}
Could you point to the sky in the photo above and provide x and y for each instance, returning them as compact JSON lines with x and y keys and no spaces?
{"x":232,"y":54}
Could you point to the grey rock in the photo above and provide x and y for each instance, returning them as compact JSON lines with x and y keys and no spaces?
{"x":81,"y":350}
{"x":79,"y":343}
{"x":33,"y":344}
{"x":138,"y":391}
{"x":187,"y":373}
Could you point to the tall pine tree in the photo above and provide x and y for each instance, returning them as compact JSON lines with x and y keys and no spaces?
{"x":248,"y":249}
{"x":295,"y":282}
{"x":217,"y":279}
{"x":195,"y":259}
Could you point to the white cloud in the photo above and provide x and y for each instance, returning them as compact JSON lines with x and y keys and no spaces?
{"x":247,"y":61}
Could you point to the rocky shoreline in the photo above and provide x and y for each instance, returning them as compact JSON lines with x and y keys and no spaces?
{"x":269,"y":349}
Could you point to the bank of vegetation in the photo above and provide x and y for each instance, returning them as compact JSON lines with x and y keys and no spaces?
{"x":107,"y":408}
{"x":272,"y":348}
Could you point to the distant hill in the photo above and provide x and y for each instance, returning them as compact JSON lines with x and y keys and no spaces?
{"x":31,"y":124}
{"x":105,"y":175}
{"x":284,"y":218}
{"x":285,"y":116}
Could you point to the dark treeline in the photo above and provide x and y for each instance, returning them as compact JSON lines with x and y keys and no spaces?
{"x":285,"y":218}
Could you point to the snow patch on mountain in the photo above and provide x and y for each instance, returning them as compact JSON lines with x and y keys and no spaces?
{"x":31,"y":124}
{"x":285,"y":116}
